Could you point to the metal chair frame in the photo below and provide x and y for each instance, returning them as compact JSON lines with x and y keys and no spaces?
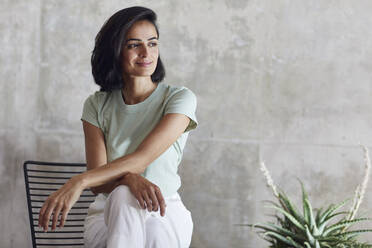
{"x":40,"y":177}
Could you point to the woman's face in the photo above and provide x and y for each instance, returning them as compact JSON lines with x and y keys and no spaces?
{"x":140,"y":51}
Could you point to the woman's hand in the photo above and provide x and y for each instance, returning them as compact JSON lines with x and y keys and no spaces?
{"x":60,"y":202}
{"x":147,"y":193}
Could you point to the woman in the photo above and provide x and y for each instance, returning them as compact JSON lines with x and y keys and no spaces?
{"x":135,"y":130}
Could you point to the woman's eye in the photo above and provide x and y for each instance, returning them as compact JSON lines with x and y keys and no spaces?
{"x":132,"y":46}
{"x":152,"y":44}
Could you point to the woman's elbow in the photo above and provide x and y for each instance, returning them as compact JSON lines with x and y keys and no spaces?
{"x":94,"y":190}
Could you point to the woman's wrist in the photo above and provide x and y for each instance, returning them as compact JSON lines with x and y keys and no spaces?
{"x":81,"y":181}
{"x":125,"y":179}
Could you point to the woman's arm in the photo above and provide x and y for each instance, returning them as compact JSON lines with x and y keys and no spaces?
{"x":147,"y":193}
{"x":165,"y":133}
{"x":95,"y":153}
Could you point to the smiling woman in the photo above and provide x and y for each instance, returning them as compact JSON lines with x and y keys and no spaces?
{"x":135,"y":131}
{"x":140,"y":52}
{"x":117,"y":39}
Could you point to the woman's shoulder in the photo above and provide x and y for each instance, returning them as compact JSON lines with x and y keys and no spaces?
{"x":99,"y":98}
{"x":172,"y":90}
{"x":100,"y":94}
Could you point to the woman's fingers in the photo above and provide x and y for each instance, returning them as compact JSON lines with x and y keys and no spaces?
{"x":161,"y":201}
{"x":61,"y":200}
{"x":140,"y":200}
{"x":63,"y":217}
{"x":47,"y":214}
{"x":41,"y":214}
{"x":145,"y":192}
{"x":147,"y":200}
{"x":154,"y":199}
{"x":56,"y":213}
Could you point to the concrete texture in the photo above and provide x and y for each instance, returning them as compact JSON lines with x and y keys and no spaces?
{"x":288,"y":82}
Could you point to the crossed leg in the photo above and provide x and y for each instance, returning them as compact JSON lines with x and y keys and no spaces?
{"x":124,"y":224}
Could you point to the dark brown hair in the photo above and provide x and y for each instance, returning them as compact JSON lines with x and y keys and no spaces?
{"x":106,"y":57}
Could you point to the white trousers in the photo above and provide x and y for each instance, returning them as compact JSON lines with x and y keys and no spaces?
{"x":124,"y":224}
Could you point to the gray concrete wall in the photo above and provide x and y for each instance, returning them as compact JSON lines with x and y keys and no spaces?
{"x":288,"y":82}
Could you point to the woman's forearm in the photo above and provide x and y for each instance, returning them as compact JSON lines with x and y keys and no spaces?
{"x":105,"y":188}
{"x":134,"y":163}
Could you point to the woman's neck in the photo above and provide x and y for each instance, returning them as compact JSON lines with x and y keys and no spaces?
{"x":137,"y":89}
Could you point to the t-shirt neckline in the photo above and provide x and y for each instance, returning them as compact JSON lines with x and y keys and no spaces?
{"x":138,"y":106}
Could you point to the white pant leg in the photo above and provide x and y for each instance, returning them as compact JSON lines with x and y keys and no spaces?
{"x":172,"y":230}
{"x":125,"y":220}
{"x":95,"y":230}
{"x":130,"y":224}
{"x":95,"y":233}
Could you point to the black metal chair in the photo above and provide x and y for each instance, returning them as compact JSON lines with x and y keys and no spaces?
{"x":43,"y":178}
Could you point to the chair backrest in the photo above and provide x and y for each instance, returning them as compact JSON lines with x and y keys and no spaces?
{"x":42,"y":179}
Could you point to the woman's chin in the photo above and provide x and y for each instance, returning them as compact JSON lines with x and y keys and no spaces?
{"x":143,"y":73}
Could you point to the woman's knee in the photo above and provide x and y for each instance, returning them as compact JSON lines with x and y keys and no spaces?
{"x":123,"y":194}
{"x":117,"y":200}
{"x":121,"y":202}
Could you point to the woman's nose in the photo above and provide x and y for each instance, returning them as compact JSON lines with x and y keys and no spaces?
{"x":144,"y":52}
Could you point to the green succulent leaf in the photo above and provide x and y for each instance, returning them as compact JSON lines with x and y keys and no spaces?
{"x":290,"y":217}
{"x":340,"y":225}
{"x":317,"y":245}
{"x":310,"y":237}
{"x":323,"y":225}
{"x":290,"y":208}
{"x":315,"y":228}
{"x":304,"y":198}
{"x":280,"y":230}
{"x":312,"y":223}
{"x":347,"y":234}
{"x":284,"y":239}
{"x":332,"y":208}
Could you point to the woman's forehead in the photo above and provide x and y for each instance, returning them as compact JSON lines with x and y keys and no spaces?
{"x":141,"y":30}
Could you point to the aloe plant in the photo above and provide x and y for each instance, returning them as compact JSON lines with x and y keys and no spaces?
{"x":327,"y":228}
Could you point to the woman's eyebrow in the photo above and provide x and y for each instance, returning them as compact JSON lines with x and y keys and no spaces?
{"x":135,"y":39}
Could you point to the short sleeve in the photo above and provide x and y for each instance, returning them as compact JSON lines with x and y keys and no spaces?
{"x":183,"y":102}
{"x":90,"y":110}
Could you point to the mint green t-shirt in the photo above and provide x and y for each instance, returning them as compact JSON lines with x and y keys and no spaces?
{"x":126,"y":126}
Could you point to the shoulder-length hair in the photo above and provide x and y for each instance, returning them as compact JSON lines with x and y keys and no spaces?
{"x":106,"y":57}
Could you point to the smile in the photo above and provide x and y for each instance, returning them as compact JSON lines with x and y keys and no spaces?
{"x":144,"y":63}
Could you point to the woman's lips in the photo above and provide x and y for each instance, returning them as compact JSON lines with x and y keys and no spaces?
{"x":144,"y":63}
